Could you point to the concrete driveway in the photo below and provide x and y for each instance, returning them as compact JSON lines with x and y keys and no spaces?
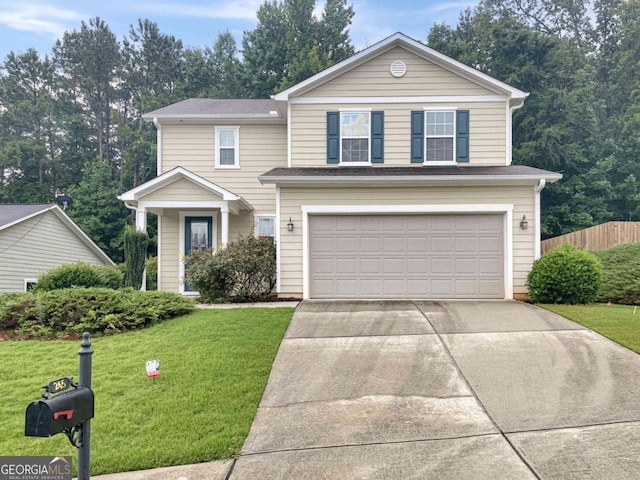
{"x":444,"y":390}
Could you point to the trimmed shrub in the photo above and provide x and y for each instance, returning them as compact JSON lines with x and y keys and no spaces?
{"x":255,"y":266}
{"x":244,"y":270}
{"x":13,"y":306}
{"x":212,"y":274}
{"x":565,"y":275}
{"x":69,"y":312}
{"x":621,"y":274}
{"x":135,"y":256}
{"x":79,"y":275}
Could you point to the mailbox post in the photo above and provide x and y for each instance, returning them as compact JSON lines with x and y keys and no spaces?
{"x":67,"y":407}
{"x":84,"y":449}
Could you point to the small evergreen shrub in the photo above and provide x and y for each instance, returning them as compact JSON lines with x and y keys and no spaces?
{"x":152,"y":273}
{"x":621,"y":274}
{"x":135,"y":256}
{"x":13,"y":306}
{"x":69,"y":312}
{"x":79,"y":275}
{"x":565,"y":275}
{"x":244,"y":270}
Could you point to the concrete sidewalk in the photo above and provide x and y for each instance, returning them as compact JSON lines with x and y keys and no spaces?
{"x":473,"y":390}
{"x":199,"y":471}
{"x":287,"y":304}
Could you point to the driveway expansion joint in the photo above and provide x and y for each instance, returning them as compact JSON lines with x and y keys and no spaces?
{"x":367,"y":444}
{"x":484,"y":409}
{"x":572,"y":427}
{"x":359,"y":397}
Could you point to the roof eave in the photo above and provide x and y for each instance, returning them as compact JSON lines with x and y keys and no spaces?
{"x":212,"y":116}
{"x":407,"y":179}
{"x":80,"y":233}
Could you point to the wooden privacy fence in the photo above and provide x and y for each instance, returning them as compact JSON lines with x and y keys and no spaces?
{"x":600,"y":237}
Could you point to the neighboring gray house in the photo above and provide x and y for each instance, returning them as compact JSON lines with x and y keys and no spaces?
{"x":35,"y":238}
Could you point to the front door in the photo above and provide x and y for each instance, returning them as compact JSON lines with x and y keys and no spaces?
{"x":197,"y":236}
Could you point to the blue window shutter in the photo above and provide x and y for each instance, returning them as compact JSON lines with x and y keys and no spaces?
{"x":377,"y":137}
{"x":462,"y":136}
{"x":417,"y":136}
{"x":333,"y":137}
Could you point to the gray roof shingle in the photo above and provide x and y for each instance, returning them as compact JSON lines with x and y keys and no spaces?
{"x":205,"y":107}
{"x":11,"y":212}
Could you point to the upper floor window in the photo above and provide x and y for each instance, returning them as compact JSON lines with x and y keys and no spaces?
{"x":355,"y":137}
{"x":440,"y":135}
{"x":355,"y":132}
{"x":227,"y":147}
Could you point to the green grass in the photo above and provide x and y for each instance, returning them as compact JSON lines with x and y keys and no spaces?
{"x":617,"y":322}
{"x":214,"y":366}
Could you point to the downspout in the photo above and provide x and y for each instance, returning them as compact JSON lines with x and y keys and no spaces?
{"x":512,"y":109}
{"x":541,"y":184}
{"x":158,"y":147}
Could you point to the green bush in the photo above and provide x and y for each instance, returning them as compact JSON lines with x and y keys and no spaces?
{"x":152,"y":273}
{"x":211,"y":274}
{"x":621,"y":274}
{"x":14,"y":306}
{"x":135,"y":256}
{"x":69,"y":312}
{"x":244,"y":270}
{"x":79,"y":275}
{"x":565,"y":275}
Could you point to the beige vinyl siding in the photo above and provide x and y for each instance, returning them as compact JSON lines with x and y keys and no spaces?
{"x":522,"y":197}
{"x":373,"y":79}
{"x":262,"y":147}
{"x":30,"y":248}
{"x":169,"y":263}
{"x":182,"y":190}
{"x":487,"y":132}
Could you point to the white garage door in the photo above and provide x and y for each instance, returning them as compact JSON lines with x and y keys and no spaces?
{"x":406,"y":256}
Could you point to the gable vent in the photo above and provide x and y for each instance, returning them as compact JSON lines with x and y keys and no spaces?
{"x":398,"y":68}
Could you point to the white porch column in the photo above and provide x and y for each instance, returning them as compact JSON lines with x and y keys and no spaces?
{"x":141,"y":219}
{"x":225,"y":225}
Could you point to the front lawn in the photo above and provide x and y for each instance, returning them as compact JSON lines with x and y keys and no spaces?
{"x":617,"y":322}
{"x":214,"y":366}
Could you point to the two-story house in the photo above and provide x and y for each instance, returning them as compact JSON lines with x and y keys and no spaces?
{"x":387,"y":175}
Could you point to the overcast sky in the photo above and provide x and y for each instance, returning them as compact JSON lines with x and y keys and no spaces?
{"x":38,"y":23}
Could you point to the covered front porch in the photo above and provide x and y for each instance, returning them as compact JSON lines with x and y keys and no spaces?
{"x":193,"y":213}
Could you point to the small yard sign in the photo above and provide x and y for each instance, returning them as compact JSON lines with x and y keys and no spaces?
{"x":153,"y":368}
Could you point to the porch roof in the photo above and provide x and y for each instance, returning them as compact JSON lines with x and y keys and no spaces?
{"x":137,"y":195}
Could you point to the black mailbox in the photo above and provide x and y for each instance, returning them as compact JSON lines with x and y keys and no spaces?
{"x":49,"y":416}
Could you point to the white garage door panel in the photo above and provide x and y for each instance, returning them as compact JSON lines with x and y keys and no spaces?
{"x":406,"y":256}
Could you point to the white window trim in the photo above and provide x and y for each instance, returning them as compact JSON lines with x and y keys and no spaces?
{"x":236,"y":141}
{"x":181,"y":245}
{"x":504,"y":208}
{"x":28,"y":281}
{"x":455,"y":131}
{"x":256,"y":219}
{"x":356,"y":110}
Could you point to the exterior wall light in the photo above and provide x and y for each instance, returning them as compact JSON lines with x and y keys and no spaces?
{"x":524,"y":224}
{"x":290,"y":225}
